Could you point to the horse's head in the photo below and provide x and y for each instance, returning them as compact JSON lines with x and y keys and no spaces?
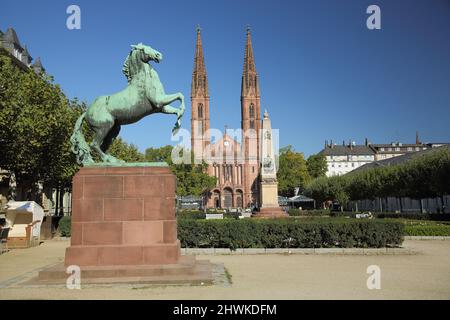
{"x":148,"y":53}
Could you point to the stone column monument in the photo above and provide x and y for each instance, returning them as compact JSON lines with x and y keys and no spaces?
{"x":269,"y":184}
{"x":124,"y":228}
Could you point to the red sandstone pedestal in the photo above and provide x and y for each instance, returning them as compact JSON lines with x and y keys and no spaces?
{"x":124,"y":229}
{"x":270,"y":212}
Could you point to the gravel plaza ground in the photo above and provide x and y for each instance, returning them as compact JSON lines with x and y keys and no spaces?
{"x":423,"y":275}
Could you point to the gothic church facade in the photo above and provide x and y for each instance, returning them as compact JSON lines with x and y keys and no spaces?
{"x":234,"y":162}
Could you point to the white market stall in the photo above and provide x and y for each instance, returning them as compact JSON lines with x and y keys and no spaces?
{"x":25,"y":219}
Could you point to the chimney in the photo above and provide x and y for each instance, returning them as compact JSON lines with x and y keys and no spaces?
{"x":366,"y":142}
{"x":331,"y":143}
{"x":417,"y":137}
{"x":326,"y":144}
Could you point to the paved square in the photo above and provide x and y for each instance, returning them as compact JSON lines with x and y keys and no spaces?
{"x":424,"y":275}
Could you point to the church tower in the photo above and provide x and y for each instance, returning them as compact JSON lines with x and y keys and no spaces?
{"x":251,"y":124}
{"x":199,"y":103}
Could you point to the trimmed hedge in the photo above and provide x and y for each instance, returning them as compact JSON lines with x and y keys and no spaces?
{"x":308,"y":213}
{"x":275,"y":233}
{"x":430,"y":230}
{"x":416,"y":216}
{"x":193,"y":214}
{"x":65,"y":226}
{"x":391,"y":215}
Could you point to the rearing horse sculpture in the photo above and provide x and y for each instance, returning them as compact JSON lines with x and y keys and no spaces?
{"x":144,"y":95}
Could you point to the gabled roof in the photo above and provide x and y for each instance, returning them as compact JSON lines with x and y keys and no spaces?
{"x":340,"y":150}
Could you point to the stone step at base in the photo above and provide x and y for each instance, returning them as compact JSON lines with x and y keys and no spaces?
{"x":187,"y":271}
{"x":275,"y":212}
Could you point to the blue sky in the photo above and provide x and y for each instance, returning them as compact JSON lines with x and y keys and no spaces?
{"x":323,"y":74}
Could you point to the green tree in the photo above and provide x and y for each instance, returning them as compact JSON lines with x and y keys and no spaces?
{"x":124,"y":151}
{"x":192,"y":179}
{"x":317,"y":165}
{"x":159,"y":154}
{"x":292,"y":172}
{"x":36,"y":120}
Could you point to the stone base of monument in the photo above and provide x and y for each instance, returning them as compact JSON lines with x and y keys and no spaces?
{"x":270,"y":212}
{"x":124,"y":230}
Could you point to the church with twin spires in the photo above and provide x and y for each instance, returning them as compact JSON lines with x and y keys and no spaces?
{"x":234,"y":161}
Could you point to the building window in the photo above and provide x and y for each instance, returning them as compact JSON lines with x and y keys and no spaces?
{"x":409,"y":149}
{"x":381,"y":149}
{"x":253,"y":169}
{"x":397,"y":149}
{"x":252,"y":111}
{"x":252,"y":124}
{"x":200,"y":110}
{"x":417,"y":148}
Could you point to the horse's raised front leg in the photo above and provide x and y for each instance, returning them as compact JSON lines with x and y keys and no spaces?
{"x":165,"y":101}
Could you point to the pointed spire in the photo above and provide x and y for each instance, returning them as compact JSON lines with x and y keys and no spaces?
{"x":11,"y":37}
{"x":37,"y":66}
{"x":249,"y":60}
{"x":199,"y":78}
{"x":250,"y":83}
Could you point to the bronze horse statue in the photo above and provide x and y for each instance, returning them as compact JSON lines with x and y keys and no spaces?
{"x":143,"y":96}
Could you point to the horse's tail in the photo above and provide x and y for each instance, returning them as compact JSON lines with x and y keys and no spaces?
{"x":79,"y":144}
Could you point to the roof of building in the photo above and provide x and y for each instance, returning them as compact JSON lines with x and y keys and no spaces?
{"x":300,"y":198}
{"x":11,"y":36}
{"x":396,"y":145}
{"x":340,"y":150}
{"x":399,"y":159}
{"x":38,"y":63}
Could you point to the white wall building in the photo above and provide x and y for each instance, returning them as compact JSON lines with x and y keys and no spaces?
{"x":342,"y":159}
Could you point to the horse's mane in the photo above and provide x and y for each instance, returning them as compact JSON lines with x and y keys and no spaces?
{"x":132,"y":64}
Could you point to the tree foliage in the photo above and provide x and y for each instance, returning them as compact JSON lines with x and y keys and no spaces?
{"x":124,"y":151}
{"x":317,"y":165}
{"x":36,"y":120}
{"x":159,"y":154}
{"x":192,"y":179}
{"x":424,"y":176}
{"x":292,"y":172}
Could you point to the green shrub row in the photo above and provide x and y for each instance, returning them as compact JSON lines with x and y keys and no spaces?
{"x":297,"y":212}
{"x":427,"y":230}
{"x":412,"y":216}
{"x":279,"y":233}
{"x":65,"y":226}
